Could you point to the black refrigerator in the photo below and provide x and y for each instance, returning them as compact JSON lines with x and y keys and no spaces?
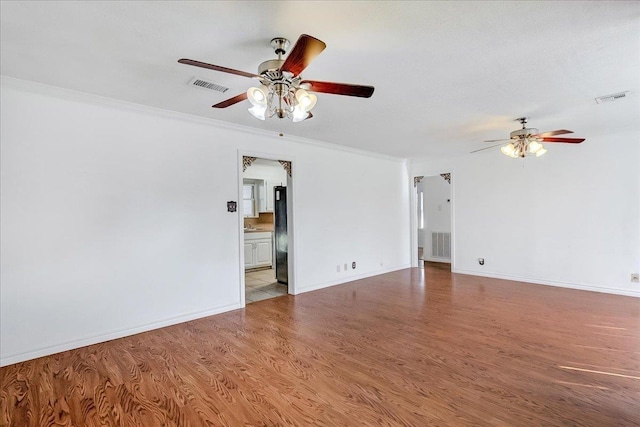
{"x":281,"y":241}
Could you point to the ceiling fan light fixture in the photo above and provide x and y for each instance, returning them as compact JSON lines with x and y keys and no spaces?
{"x":258,"y":112}
{"x":282,"y":89}
{"x":528,"y":141}
{"x":258,"y":95}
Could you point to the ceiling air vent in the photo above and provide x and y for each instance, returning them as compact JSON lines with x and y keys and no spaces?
{"x":612,"y":97}
{"x":207,"y":85}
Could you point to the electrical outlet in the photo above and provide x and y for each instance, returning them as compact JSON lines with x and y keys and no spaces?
{"x":481,"y":261}
{"x":635,"y":278}
{"x":353,"y":265}
{"x":338,"y":268}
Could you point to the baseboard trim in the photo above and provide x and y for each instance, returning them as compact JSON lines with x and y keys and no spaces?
{"x":71,"y":345}
{"x":569,"y":285}
{"x":330,"y":283}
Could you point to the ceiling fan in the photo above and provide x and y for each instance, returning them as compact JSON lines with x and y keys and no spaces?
{"x":527,"y":141}
{"x":282,"y":91}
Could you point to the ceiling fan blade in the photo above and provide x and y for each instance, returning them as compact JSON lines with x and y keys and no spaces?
{"x":305,"y":50}
{"x":485,"y":148}
{"x":338,"y":88}
{"x":217,"y":68}
{"x":229,"y":102}
{"x":496,"y":140}
{"x":569,"y":140}
{"x":554,"y":133}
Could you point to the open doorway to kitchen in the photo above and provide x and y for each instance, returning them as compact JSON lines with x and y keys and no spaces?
{"x":433,"y":205}
{"x":266,"y":190}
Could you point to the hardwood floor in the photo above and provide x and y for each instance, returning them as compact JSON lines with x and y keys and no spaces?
{"x":413,"y":347}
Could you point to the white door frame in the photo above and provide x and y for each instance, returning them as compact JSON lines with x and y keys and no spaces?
{"x":292,"y":289}
{"x":414,"y":213}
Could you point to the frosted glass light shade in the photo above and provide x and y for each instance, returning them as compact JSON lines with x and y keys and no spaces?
{"x":258,"y":112}
{"x":306,"y":100}
{"x":299,"y":114}
{"x":540,"y":152}
{"x":258,"y":95}
{"x":508,"y":150}
{"x":534,"y":146}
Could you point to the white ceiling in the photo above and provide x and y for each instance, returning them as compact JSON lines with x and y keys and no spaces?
{"x":448,"y":75}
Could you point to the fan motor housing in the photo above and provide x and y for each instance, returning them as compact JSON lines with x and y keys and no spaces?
{"x":270,"y":65}
{"x":523,"y":133}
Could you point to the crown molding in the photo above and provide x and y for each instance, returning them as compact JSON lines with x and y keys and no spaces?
{"x":74,"y":95}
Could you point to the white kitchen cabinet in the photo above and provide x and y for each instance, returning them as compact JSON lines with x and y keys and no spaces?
{"x":269,"y":193}
{"x":262,"y":199}
{"x":258,"y":249}
{"x":249,"y":258}
{"x":263,"y":252}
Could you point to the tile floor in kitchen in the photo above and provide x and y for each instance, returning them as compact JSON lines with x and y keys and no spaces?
{"x":262,"y":284}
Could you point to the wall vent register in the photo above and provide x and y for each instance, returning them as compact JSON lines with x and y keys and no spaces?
{"x":441,"y":244}
{"x":612,"y":97}
{"x":207,"y":85}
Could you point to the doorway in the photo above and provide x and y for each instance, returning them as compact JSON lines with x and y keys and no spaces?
{"x":434,"y":219}
{"x":265,"y":189}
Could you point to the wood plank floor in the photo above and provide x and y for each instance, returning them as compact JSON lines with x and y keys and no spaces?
{"x":413,"y":347}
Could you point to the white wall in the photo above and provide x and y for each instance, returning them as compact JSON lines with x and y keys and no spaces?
{"x":114,"y":221}
{"x":570,"y":218}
